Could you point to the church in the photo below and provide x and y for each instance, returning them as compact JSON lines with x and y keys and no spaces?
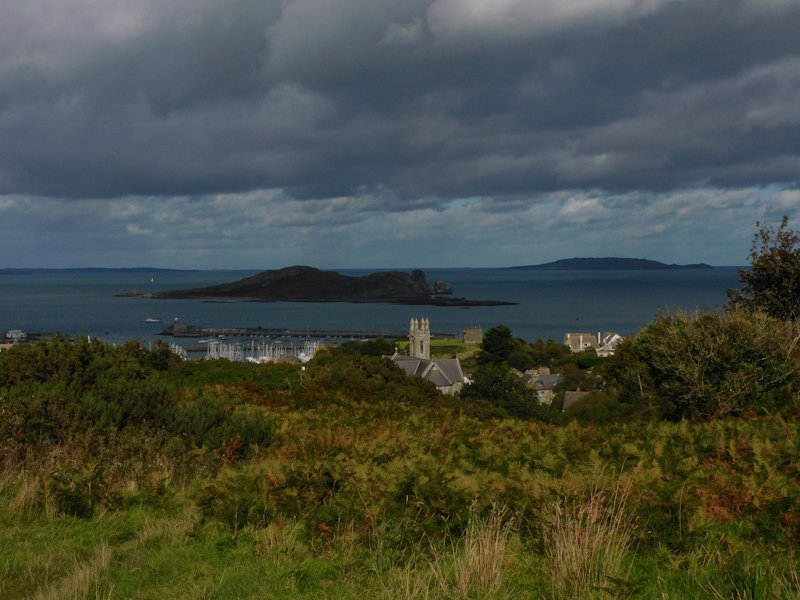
{"x":444,"y":373}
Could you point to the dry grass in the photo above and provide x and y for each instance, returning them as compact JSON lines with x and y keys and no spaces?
{"x":280,"y":537}
{"x":28,"y":498}
{"x":408,"y":583}
{"x":587,"y":545}
{"x":479,"y":567}
{"x":475,"y":568}
{"x":83,"y":582}
{"x":744,"y":579}
{"x":472,"y":568}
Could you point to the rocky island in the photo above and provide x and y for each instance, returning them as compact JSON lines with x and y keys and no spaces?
{"x":308,"y":284}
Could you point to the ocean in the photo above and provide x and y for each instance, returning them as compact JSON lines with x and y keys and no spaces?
{"x":551,"y":303}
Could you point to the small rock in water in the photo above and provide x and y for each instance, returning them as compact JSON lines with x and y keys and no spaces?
{"x":442,"y":287}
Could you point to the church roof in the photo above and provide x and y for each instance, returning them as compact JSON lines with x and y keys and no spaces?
{"x":442,"y":372}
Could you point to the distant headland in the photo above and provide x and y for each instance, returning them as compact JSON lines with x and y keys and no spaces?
{"x":609,"y":263}
{"x":308,"y":284}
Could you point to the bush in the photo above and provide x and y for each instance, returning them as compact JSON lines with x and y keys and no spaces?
{"x":237,"y":498}
{"x":599,"y":407}
{"x":549,"y":352}
{"x":346,"y":379}
{"x":709,"y":365}
{"x":501,"y":390}
{"x":376,"y":347}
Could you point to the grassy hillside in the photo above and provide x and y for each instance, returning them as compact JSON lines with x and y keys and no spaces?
{"x":128,"y":474}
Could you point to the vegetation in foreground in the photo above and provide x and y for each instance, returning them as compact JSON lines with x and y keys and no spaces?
{"x":125,"y":473}
{"x":128,"y":474}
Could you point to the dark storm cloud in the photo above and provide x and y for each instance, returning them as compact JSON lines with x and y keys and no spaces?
{"x":420,"y":100}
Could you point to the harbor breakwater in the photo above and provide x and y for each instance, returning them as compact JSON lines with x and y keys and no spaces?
{"x":181,"y":329}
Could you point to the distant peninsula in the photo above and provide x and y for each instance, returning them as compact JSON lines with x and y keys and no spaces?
{"x":609,"y":263}
{"x":308,"y":284}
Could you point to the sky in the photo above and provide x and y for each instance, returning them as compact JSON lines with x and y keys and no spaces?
{"x":394,"y":133}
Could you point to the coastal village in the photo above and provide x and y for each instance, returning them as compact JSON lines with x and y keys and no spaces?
{"x":422,"y":300}
{"x":264,"y":448}
{"x":446,"y":374}
{"x":418,"y":357}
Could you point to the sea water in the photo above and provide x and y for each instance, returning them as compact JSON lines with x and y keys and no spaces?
{"x":550,"y":303}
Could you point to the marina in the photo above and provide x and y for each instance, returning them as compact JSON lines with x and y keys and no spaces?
{"x":189,"y":331}
{"x":262,"y":352}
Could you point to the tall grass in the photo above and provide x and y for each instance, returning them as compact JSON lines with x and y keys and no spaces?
{"x":83,"y":582}
{"x":478,"y":567}
{"x":475,"y":567}
{"x":746,"y":577}
{"x":407,"y":583}
{"x":471,"y":567}
{"x":587,"y":545}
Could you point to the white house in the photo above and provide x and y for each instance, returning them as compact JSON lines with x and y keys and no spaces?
{"x":603,"y":343}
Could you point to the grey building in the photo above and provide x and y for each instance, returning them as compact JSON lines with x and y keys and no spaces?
{"x":444,"y":373}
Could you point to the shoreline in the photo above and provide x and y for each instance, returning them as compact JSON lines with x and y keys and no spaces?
{"x":457,"y":302}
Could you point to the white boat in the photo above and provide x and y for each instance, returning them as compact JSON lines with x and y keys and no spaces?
{"x":152,"y":320}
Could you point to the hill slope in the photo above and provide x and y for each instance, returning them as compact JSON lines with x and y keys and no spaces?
{"x":608,"y":263}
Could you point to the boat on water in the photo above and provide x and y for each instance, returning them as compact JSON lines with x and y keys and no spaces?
{"x":152,"y":320}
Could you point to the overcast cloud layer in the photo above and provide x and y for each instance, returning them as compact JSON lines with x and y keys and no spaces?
{"x":260,"y":133}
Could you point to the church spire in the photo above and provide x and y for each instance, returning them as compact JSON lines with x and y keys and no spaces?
{"x":419,"y":339}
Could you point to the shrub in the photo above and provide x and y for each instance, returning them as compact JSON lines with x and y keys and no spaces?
{"x":710,"y":365}
{"x":504,"y":393}
{"x":357,"y":378}
{"x":68,"y":492}
{"x":549,"y":352}
{"x":237,"y":498}
{"x":599,"y":407}
{"x":376,"y":347}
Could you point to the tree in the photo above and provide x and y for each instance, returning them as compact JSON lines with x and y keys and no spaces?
{"x":499,"y":347}
{"x":546,"y":352}
{"x":377,"y":347}
{"x":495,"y":385}
{"x":772,"y":283}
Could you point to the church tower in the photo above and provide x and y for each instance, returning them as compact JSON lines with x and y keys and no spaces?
{"x":419,"y":339}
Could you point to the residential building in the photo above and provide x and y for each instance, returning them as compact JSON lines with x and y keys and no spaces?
{"x":543,"y":383}
{"x":580,"y":342}
{"x":473,"y":335}
{"x":603,"y":343}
